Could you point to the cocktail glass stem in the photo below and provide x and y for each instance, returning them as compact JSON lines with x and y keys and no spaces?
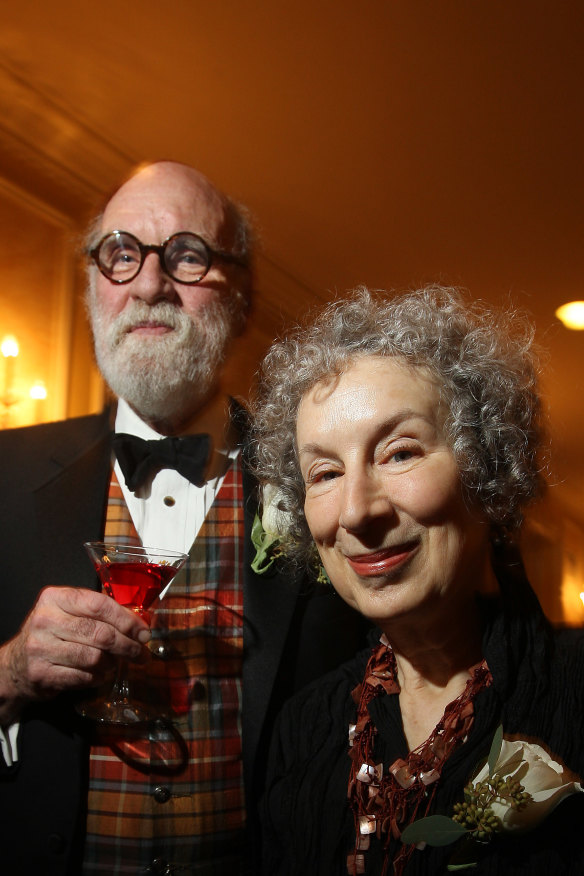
{"x":121,"y":689}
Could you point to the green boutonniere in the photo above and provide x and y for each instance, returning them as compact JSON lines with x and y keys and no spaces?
{"x":267,"y":545}
{"x":269,"y":534}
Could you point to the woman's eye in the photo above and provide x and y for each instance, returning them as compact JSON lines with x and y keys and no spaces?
{"x":402,"y":455}
{"x":317,"y":477}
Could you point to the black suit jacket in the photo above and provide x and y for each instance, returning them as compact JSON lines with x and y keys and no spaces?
{"x":53,"y":487}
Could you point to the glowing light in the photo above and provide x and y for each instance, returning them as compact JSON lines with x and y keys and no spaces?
{"x":572,"y":315}
{"x":38,"y":390}
{"x":9,"y":347}
{"x":582,"y":597}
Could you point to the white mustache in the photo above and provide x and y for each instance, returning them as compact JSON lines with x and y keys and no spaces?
{"x":139,"y":313}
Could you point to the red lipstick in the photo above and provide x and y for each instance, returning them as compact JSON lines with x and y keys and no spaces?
{"x":380,"y":562}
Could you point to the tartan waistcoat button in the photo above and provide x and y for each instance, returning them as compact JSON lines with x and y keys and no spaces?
{"x":161,"y":794}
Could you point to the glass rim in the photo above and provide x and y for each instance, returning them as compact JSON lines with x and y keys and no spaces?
{"x":139,"y":550}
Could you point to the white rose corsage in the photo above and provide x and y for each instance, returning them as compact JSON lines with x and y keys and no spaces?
{"x":514,"y":791}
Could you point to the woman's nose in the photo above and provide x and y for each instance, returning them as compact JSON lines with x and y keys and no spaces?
{"x":152,"y":283}
{"x":365,"y":499}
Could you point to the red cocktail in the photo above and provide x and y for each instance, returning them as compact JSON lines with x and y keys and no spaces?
{"x":135,"y":585}
{"x":134,"y":577}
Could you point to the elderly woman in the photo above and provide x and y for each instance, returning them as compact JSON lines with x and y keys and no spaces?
{"x":403,"y":437}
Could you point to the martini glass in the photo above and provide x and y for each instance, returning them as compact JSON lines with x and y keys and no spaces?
{"x":134,"y":577}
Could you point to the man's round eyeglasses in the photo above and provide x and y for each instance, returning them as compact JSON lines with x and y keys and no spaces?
{"x":184,"y":256}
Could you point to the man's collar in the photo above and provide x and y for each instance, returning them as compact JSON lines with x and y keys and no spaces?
{"x":129,"y":422}
{"x":215,"y":420}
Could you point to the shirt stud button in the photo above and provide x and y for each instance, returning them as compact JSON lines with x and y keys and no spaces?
{"x":169,"y":501}
{"x":161,"y":794}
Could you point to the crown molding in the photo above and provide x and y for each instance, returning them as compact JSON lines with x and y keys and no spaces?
{"x":52,"y":154}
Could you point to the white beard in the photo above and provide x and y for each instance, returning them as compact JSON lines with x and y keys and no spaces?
{"x":165,"y":378}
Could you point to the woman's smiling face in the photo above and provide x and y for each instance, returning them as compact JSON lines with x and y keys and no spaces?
{"x":384,"y":500}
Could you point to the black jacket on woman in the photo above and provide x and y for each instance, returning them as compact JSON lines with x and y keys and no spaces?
{"x":537,"y":694}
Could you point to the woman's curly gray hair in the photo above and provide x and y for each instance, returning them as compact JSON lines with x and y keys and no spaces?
{"x":485,"y":368}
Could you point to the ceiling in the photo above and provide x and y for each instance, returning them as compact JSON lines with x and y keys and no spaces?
{"x":380,"y":142}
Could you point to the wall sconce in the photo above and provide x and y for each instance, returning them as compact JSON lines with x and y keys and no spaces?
{"x":9,"y":396}
{"x":38,"y":391}
{"x":9,"y":349}
{"x":572,"y":315}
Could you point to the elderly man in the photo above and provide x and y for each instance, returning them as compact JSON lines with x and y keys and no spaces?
{"x":169,"y":289}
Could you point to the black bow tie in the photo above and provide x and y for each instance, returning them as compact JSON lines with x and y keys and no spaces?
{"x":138,"y":457}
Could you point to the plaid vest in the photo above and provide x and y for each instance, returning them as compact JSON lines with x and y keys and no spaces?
{"x":168,"y":797}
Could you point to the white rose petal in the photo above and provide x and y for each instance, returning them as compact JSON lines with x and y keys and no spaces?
{"x":547,"y":781}
{"x":274,"y":521}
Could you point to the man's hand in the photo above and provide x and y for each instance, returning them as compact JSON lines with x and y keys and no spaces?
{"x":70,"y":640}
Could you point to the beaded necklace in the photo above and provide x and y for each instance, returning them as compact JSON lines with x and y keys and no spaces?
{"x":384,"y":804}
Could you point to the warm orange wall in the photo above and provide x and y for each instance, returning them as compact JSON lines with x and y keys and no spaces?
{"x":36,"y":281}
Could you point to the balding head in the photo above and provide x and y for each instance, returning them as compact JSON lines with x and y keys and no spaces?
{"x":165,"y":186}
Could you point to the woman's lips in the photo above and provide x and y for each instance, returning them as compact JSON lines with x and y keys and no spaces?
{"x":381,"y":562}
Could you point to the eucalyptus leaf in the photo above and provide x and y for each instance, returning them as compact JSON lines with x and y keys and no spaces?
{"x":470,"y":864}
{"x":257,"y":532}
{"x":495,"y":749}
{"x":436,"y":830}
